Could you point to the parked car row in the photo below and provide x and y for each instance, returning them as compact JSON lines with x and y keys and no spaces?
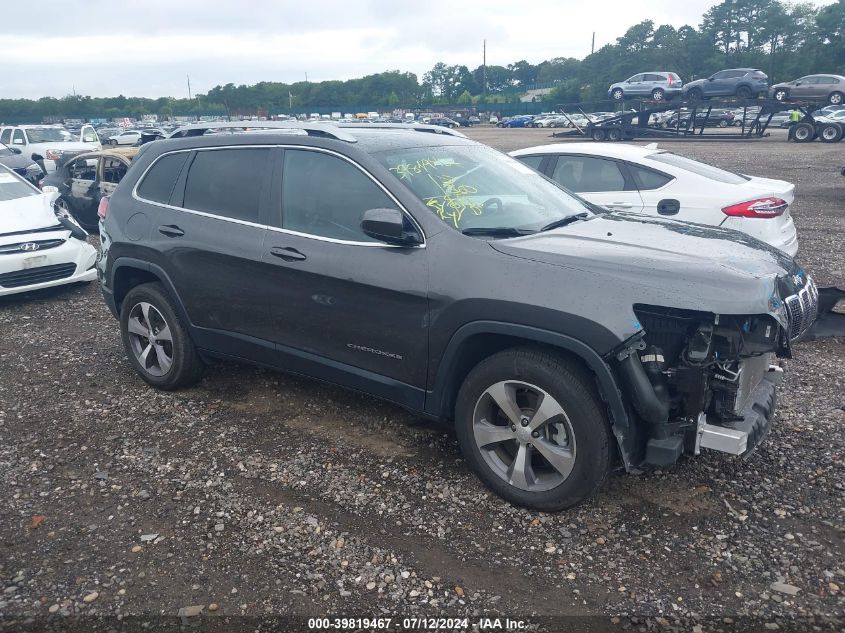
{"x":743,"y":83}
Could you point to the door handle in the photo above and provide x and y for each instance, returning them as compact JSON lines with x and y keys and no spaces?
{"x":171,"y":230}
{"x":287,"y":253}
{"x":620,"y":205}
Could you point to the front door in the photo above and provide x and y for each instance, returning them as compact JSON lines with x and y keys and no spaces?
{"x":602,"y":181}
{"x":82,"y":190}
{"x":345,"y":306}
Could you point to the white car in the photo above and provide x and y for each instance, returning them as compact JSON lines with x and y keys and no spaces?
{"x":46,"y":144}
{"x":128,"y":137}
{"x":656,"y":182}
{"x":38,"y":248}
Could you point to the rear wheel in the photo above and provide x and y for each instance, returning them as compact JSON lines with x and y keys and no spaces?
{"x":836,"y":98}
{"x":803,"y":132}
{"x":830,"y":133}
{"x":599,"y":134}
{"x":743,"y":92}
{"x":533,"y":428}
{"x":614,"y":134}
{"x":617,"y":94}
{"x":658,"y":94}
{"x":156,"y":340}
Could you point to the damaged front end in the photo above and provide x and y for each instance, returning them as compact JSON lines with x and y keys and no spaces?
{"x":696,"y":380}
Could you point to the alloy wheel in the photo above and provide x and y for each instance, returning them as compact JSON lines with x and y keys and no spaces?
{"x":524,"y":435}
{"x":150,"y":339}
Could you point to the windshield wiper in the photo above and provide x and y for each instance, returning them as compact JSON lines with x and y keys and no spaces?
{"x":497,"y":231}
{"x":564,"y":221}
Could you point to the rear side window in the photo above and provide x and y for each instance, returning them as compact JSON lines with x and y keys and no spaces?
{"x":583,"y":174}
{"x":113,"y":170}
{"x":648,"y":179}
{"x":532,"y":161}
{"x":158,"y":184}
{"x":701,"y":169}
{"x":228,"y":182}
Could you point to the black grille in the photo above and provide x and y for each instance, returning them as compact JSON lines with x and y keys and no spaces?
{"x":38,"y":275}
{"x":15,"y":249}
{"x":802,"y":309}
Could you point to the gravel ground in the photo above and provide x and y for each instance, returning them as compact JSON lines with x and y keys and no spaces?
{"x":258,"y":495}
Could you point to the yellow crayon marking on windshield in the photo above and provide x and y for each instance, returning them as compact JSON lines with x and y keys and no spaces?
{"x":406,"y":171}
{"x":451,"y":205}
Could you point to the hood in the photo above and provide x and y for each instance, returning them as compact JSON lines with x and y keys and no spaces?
{"x":16,"y":161}
{"x":26,"y":214}
{"x":665,"y":262}
{"x":69,"y":146}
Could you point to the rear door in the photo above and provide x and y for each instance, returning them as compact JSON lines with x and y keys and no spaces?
{"x":210,"y":237}
{"x":602,"y":181}
{"x":343,"y":305}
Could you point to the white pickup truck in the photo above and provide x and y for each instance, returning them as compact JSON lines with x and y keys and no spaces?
{"x":46,"y":144}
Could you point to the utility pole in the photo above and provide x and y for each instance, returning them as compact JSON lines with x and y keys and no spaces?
{"x":484,"y":67}
{"x":189,"y":87}
{"x":306,"y":77}
{"x":593,"y":47}
{"x":290,"y":101}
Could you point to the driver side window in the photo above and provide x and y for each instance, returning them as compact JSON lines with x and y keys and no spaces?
{"x":18,"y":138}
{"x":324,"y":195}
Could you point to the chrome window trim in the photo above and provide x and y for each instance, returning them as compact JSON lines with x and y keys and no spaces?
{"x":320,"y":238}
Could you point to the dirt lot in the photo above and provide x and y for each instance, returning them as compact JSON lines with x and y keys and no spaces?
{"x":256,"y":494}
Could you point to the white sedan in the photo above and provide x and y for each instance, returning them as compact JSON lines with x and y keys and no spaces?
{"x":38,"y":248}
{"x":656,"y":182}
{"x":129,"y":137}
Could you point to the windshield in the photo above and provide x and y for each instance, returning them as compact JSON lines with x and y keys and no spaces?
{"x":476,"y":187}
{"x":702,"y":169}
{"x":48,"y":135}
{"x":12,"y":187}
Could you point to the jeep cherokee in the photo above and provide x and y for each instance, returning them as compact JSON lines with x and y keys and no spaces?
{"x":421,"y":267}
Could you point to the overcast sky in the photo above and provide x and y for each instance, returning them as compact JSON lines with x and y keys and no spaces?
{"x":147,"y":47}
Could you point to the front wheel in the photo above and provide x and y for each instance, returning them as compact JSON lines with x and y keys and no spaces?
{"x":695,"y":94}
{"x":156,"y":340}
{"x":617,"y":94}
{"x":781,"y":95}
{"x":531,"y":425}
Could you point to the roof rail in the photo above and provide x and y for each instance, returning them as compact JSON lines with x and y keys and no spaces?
{"x":417,"y":127}
{"x":326,"y":130}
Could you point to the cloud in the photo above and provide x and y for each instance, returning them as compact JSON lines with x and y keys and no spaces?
{"x":147,"y":47}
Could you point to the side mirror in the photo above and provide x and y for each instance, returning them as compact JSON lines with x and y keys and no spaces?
{"x":15,"y":150}
{"x":388,"y":225}
{"x":710,"y":78}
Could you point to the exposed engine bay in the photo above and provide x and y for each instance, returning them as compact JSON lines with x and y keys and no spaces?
{"x":699,"y":380}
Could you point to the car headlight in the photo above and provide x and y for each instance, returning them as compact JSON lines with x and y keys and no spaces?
{"x":53,"y":154}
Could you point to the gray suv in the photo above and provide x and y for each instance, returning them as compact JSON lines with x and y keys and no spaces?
{"x":831,"y":88}
{"x":744,"y":83}
{"x":415,"y":265}
{"x":660,"y":85}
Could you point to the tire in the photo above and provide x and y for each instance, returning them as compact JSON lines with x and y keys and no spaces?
{"x":186,"y":367}
{"x":743,"y":92}
{"x":723,"y":123}
{"x":658,"y":94}
{"x":577,"y":435}
{"x":781,"y":95}
{"x":830,"y":133}
{"x":836,"y":98}
{"x":599,"y":134}
{"x":113,"y":142}
{"x":803,"y":132}
{"x":695,"y":94}
{"x":617,"y":94}
{"x":614,"y":134}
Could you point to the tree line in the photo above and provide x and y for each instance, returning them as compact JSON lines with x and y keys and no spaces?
{"x":782,"y":39}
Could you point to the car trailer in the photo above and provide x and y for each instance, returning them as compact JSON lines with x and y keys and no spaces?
{"x":629,"y":125}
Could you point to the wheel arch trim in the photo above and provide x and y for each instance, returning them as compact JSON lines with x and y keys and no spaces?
{"x":124,"y":262}
{"x":438,"y":400}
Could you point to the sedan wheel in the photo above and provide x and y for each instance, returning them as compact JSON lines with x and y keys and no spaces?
{"x":617,"y":94}
{"x":781,"y":95}
{"x":836,"y":98}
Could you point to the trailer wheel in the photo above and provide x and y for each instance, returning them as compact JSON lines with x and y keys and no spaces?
{"x":599,"y":134}
{"x":658,"y":94}
{"x":836,"y":98}
{"x":803,"y":132}
{"x":830,"y":133}
{"x":614,"y":134}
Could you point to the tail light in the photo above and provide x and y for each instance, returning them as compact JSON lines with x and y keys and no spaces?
{"x":759,"y":208}
{"x":671,"y":81}
{"x":103,"y":208}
